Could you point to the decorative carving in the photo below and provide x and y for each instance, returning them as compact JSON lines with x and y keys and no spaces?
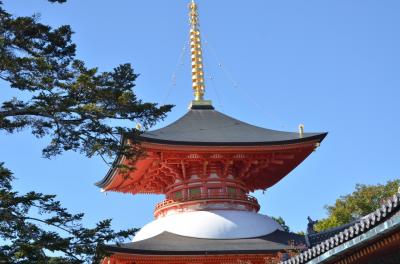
{"x":227,"y":166}
{"x":310,"y":225}
{"x":167,"y":168}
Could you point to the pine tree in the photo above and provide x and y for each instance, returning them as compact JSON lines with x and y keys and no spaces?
{"x":76,"y":108}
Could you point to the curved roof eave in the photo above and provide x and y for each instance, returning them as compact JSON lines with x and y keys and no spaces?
{"x":171,"y":244}
{"x":108,"y":177}
{"x":306,"y":138}
{"x":208,"y":127}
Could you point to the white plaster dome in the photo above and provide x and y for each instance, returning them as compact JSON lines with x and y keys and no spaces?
{"x":215,"y":224}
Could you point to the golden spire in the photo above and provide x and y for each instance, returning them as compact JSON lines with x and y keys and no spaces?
{"x":196,"y":54}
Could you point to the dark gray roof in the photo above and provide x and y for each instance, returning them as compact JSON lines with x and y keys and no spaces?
{"x":382,"y":215}
{"x":318,"y":237}
{"x":208,"y":127}
{"x":171,"y":244}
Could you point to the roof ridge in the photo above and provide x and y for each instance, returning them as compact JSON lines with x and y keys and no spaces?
{"x":385,"y":211}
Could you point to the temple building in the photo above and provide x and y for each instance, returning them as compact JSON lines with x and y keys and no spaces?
{"x":372,"y":239}
{"x":206,"y":164}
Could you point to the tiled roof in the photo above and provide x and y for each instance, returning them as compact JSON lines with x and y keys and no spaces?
{"x":171,"y":244}
{"x":318,"y":237}
{"x":382,"y":214}
{"x":209,"y":127}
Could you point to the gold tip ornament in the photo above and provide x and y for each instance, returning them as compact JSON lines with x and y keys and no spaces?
{"x":196,"y":53}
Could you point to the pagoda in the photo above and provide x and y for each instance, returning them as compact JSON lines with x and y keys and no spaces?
{"x":206,"y":164}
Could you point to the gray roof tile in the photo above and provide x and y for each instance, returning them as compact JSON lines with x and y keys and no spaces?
{"x":169,"y":244}
{"x":387,"y":210}
{"x":210,"y":127}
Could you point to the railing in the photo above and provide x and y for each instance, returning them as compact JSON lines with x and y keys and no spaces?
{"x":209,"y":197}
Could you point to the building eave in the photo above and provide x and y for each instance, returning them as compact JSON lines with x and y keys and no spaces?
{"x":315,"y":137}
{"x":114,"y":167}
{"x":171,"y":244}
{"x":359,"y":241}
{"x":204,"y":146}
{"x":373,"y":226}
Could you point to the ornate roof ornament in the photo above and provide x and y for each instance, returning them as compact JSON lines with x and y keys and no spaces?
{"x":196,"y":57}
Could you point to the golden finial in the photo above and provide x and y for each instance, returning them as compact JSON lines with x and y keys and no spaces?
{"x":193,"y":15}
{"x":196,"y":54}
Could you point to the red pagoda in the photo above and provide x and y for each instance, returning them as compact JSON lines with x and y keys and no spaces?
{"x":206,"y":163}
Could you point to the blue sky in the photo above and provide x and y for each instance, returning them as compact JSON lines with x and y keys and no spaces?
{"x":332,"y":65}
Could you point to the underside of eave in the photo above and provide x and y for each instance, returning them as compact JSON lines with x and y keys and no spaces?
{"x":107,"y":182}
{"x":261,"y":184}
{"x":114,"y":167}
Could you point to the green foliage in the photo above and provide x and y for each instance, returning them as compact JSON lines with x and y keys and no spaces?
{"x":282,"y":222}
{"x":364,"y":200}
{"x":76,"y":106}
{"x":24,"y":240}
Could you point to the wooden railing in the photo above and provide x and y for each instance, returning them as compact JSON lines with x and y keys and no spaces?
{"x":203,"y":197}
